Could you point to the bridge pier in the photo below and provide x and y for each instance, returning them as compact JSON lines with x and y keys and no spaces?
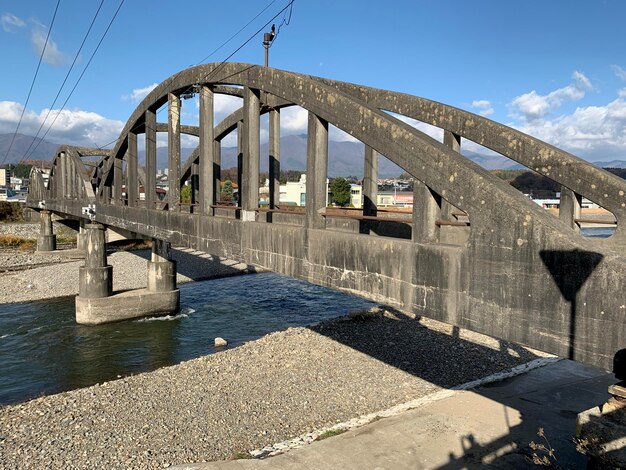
{"x":96,"y":302}
{"x":47,"y":240}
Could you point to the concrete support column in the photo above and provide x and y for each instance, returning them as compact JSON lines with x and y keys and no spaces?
{"x":453,"y":141}
{"x":217,"y":170}
{"x":81,"y":238}
{"x":132,"y":181}
{"x":370,"y":182}
{"x":569,"y":208}
{"x":173,"y":145}
{"x":117,"y":181}
{"x":240,"y":151}
{"x":161,"y":268}
{"x":150,"y":188}
{"x":426,"y":211}
{"x":207,"y":149}
{"x":47,"y":240}
{"x":249,"y":190}
{"x":195,"y":183}
{"x":274,"y":155}
{"x":95,"y":277}
{"x":316,"y":172}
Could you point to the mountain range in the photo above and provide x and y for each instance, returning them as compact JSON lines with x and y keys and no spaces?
{"x":344,"y":158}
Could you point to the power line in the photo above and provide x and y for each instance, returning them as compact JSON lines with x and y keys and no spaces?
{"x":81,"y":75}
{"x":33,"y":82}
{"x":65,"y":79}
{"x":221,"y":64}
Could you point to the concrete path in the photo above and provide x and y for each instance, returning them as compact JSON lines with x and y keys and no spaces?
{"x":490,"y":425}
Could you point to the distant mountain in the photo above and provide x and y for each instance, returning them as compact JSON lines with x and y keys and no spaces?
{"x":611,"y":164}
{"x":344,"y":158}
{"x":45,"y":150}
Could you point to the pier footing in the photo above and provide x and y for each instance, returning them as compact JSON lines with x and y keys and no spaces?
{"x":126,"y":305}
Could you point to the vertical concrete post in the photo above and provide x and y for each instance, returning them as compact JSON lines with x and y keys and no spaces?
{"x":370,"y":182}
{"x":81,"y":238}
{"x":161,"y":268}
{"x":426,"y":211}
{"x":240,"y":152}
{"x":117,"y":181}
{"x":274,"y":155}
{"x":207,"y":148}
{"x":316,"y":172}
{"x":173,"y":145}
{"x":453,"y":141}
{"x":569,"y":208}
{"x":132,"y":181}
{"x":150,"y":188}
{"x":95,"y":277}
{"x":195,"y":183}
{"x":64,"y":172}
{"x":252,"y":151}
{"x":47,"y":240}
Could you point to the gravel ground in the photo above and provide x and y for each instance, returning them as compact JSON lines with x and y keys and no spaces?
{"x":60,"y":277}
{"x":283,"y":385}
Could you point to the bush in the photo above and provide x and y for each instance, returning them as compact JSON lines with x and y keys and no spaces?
{"x":11,"y":212}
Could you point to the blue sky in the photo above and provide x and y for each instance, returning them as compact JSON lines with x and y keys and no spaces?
{"x":555,"y":69}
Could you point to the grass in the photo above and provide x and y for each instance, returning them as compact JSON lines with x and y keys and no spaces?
{"x":238,"y":455}
{"x":20,"y":243}
{"x":330,"y":433}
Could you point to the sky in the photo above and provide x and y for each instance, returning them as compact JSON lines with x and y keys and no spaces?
{"x":555,"y":69}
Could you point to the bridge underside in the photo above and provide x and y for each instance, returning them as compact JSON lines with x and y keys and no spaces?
{"x":516,"y":273}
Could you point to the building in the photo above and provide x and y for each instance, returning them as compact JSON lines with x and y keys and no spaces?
{"x":294,"y":193}
{"x":5,"y":177}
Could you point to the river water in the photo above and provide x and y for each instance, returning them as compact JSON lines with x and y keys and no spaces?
{"x":43,"y":350}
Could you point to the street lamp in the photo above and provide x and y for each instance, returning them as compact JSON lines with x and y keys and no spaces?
{"x":267,"y":41}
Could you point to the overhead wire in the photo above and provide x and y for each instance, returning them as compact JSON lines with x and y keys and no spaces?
{"x":81,"y":75}
{"x":64,"y":80}
{"x":221,"y":64}
{"x":43,"y":50}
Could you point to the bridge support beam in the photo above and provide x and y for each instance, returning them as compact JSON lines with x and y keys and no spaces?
{"x":569,"y":208}
{"x":151,"y":149}
{"x":132,"y":181}
{"x":96,"y":303}
{"x":207,"y":149}
{"x":274,"y":156}
{"x":251,"y":154}
{"x":316,"y":172}
{"x":47,"y":240}
{"x":426,"y":211}
{"x":173,"y":145}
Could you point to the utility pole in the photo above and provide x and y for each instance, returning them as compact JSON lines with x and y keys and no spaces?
{"x":267,"y":41}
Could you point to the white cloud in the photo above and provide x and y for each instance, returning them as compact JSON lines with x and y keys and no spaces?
{"x":139,"y":94}
{"x":591,"y":132}
{"x":619,"y":72}
{"x":72,"y":127}
{"x":484,"y":106}
{"x":10,"y":22}
{"x":52,"y":54}
{"x":532,"y":106}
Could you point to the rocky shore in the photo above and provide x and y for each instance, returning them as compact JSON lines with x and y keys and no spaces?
{"x":238,"y":401}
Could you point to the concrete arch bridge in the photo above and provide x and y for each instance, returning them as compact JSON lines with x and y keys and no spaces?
{"x":474,"y":253}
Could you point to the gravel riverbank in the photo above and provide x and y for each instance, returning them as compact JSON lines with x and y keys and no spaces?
{"x":278,"y":387}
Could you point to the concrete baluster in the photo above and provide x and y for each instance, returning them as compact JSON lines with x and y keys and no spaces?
{"x":453,"y":141}
{"x":274,"y":156}
{"x":132,"y":180}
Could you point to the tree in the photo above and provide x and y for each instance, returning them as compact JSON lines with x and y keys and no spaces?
{"x":226,"y":194}
{"x":185,"y":194}
{"x":340,"y":191}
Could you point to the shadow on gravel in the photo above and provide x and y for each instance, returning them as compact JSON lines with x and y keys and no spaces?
{"x":445,"y":357}
{"x":202,"y":266}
